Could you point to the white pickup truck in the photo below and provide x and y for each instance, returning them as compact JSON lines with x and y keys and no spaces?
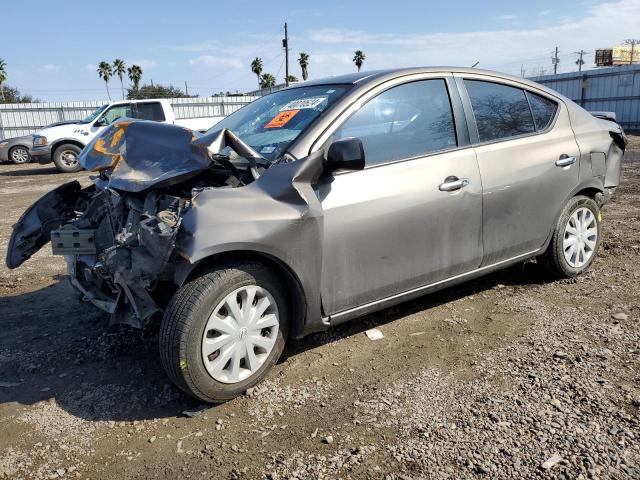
{"x":61,"y":143}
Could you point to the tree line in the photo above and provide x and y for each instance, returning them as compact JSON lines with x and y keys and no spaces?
{"x":267,"y":80}
{"x":11,"y":94}
{"x":107,"y":70}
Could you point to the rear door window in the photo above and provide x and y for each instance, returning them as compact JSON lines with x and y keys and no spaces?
{"x":149,"y":111}
{"x":406,"y":121}
{"x":544,"y":110}
{"x":501,"y":111}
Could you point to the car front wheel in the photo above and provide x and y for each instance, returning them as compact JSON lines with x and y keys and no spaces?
{"x":65,"y":158}
{"x":575,"y":240}
{"x":224,"y":330}
{"x":19,"y":155}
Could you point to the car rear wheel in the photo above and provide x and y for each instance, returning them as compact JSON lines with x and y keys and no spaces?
{"x":224,"y":330}
{"x":19,"y":155}
{"x":576,"y":239}
{"x":65,"y":158}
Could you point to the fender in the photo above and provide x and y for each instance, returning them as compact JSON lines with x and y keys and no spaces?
{"x":61,"y":141}
{"x":278,"y":215}
{"x":592,"y":184}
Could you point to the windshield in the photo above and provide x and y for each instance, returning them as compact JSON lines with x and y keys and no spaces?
{"x":270,"y":124}
{"x":94,"y":114}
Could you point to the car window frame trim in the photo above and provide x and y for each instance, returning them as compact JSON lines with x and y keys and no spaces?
{"x":473,"y":126}
{"x":461,"y":129}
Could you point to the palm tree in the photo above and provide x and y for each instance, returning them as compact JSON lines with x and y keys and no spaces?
{"x":292,"y":79}
{"x":104,"y":72}
{"x":135,"y":75}
{"x":267,"y":81}
{"x":3,"y":76}
{"x":359,"y":58}
{"x":256,"y":68}
{"x":120,"y":69}
{"x":303,"y":60}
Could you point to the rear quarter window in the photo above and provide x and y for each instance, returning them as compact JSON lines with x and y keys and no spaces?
{"x":543,"y":109}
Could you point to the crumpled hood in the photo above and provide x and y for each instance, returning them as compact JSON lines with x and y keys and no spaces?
{"x":138,"y":155}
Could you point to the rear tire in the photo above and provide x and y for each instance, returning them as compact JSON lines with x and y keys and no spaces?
{"x":576,"y":239}
{"x":187,"y":327}
{"x":65,"y":158}
{"x":19,"y":155}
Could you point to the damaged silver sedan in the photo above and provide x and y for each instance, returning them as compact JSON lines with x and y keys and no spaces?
{"x":322,"y":202}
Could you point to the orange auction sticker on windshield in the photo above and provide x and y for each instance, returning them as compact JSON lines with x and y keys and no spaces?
{"x":281,"y":119}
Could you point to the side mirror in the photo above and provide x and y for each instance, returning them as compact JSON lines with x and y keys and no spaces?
{"x":101,"y":122}
{"x":345,"y":154}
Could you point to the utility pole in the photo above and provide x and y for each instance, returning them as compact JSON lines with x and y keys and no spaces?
{"x":580,"y":61}
{"x":186,"y":88}
{"x":633,"y":42}
{"x":555,"y":60}
{"x":522,"y":71}
{"x":285,"y":44}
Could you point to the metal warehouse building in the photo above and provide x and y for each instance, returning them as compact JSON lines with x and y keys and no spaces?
{"x":615,"y":89}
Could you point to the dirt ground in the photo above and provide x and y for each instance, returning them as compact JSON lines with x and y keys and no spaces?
{"x":508,"y":376}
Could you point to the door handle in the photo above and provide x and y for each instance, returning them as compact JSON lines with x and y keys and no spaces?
{"x":565,"y":160}
{"x":452,"y":184}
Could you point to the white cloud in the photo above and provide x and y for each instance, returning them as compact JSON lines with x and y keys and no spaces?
{"x":508,"y":16}
{"x":51,"y":67}
{"x":91,"y":67}
{"x":145,"y":63}
{"x":215,"y":61}
{"x":503,"y":49}
{"x":544,"y":12}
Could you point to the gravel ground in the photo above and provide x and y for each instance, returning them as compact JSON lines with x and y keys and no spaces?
{"x":509,"y":376}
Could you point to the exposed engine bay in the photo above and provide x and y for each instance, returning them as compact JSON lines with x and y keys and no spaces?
{"x":118,"y":235}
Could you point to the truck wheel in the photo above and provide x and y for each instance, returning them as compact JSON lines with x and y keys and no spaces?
{"x":224,"y":330}
{"x":575,"y":240}
{"x":65,"y":158}
{"x":19,"y":155}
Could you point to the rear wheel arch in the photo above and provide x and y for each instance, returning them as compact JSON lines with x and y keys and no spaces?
{"x":297,"y":296}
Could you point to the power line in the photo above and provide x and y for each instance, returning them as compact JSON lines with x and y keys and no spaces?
{"x":580,"y":61}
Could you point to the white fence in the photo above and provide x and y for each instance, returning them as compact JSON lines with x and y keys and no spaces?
{"x":17,"y":119}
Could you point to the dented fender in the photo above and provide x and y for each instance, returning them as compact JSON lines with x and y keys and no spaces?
{"x":279,"y":215}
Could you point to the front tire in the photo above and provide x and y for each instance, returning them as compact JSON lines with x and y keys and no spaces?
{"x":19,"y":155}
{"x":224,"y":330}
{"x":65,"y":158}
{"x":576,"y":239}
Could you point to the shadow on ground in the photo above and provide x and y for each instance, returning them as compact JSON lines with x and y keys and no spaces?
{"x":54,"y":346}
{"x":30,"y":172}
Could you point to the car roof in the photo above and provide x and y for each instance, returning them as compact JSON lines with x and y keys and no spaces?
{"x":378,"y":76}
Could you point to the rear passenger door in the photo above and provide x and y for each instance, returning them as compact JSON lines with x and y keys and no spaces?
{"x":527,"y":155}
{"x":413,"y":216}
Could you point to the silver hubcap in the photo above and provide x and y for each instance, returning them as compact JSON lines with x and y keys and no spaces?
{"x":580,"y":237}
{"x":69,"y":158}
{"x":19,"y":155}
{"x":240,"y":334}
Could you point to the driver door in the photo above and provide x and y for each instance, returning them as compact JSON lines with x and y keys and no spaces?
{"x":413,"y":216}
{"x":110,"y":115}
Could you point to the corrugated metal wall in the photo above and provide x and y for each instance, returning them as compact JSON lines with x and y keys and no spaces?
{"x":17,"y":119}
{"x":615,"y":89}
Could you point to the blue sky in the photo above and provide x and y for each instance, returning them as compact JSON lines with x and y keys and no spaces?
{"x":53,"y":50}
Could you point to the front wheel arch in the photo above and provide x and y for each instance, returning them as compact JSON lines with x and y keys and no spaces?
{"x":298,"y":303}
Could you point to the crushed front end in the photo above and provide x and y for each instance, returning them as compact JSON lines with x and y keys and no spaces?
{"x":118,"y":236}
{"x":120,"y":249}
